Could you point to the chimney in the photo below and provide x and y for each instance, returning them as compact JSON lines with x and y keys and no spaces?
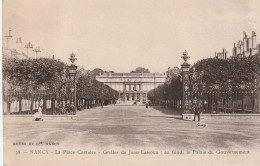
{"x":245,"y":42}
{"x":244,"y":33}
{"x":234,"y":50}
{"x":241,"y":47}
{"x":253,"y":39}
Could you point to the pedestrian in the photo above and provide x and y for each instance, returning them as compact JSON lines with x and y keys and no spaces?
{"x":38,"y":115}
{"x":72,"y":109}
{"x":150,"y":103}
{"x":197,"y":110}
{"x":146,"y":104}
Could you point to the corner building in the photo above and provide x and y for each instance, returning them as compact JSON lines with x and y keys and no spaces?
{"x":132,"y":86}
{"x":246,"y":47}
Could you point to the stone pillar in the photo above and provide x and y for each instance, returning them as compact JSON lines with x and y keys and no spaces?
{"x":185,"y":80}
{"x":125,"y":97}
{"x":135,"y":96}
{"x":130,"y":96}
{"x":254,"y":42}
{"x":245,"y":42}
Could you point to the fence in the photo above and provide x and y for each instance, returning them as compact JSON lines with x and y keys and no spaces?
{"x":29,"y":103}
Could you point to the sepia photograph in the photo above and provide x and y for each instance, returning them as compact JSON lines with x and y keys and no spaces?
{"x":130,"y":82}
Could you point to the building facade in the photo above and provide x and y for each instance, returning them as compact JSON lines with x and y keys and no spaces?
{"x":221,"y":55}
{"x":132,"y":86}
{"x":13,"y":53}
{"x":246,"y":47}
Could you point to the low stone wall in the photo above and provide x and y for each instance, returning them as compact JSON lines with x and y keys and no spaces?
{"x":45,"y":117}
{"x":221,"y":116}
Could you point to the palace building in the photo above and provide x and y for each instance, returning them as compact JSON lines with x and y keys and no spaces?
{"x":221,"y":55}
{"x":132,"y":86}
{"x":246,"y":47}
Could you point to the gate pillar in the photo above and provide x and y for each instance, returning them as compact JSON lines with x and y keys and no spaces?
{"x":185,"y":80}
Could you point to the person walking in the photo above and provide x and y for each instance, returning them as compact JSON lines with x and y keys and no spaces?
{"x":197,"y":110}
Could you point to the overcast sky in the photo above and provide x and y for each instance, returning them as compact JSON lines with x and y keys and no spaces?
{"x":121,"y":35}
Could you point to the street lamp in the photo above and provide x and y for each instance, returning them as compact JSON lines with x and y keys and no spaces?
{"x":185,"y":80}
{"x":72,"y":74}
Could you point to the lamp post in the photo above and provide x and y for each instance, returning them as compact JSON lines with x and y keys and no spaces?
{"x":185,"y":80}
{"x":72,"y":74}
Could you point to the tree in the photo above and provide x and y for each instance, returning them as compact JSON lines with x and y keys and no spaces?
{"x":214,"y":71}
{"x":96,"y":72}
{"x":38,"y":71}
{"x":140,"y":70}
{"x":172,"y":74}
{"x":89,"y":88}
{"x":218,"y":70}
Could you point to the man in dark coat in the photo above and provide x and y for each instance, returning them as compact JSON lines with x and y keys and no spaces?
{"x":197,"y":110}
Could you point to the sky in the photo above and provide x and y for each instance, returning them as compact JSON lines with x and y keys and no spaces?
{"x":120,"y":35}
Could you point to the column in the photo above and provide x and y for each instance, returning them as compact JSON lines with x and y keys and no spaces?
{"x":125,"y":96}
{"x":185,"y":77}
{"x":130,"y":96}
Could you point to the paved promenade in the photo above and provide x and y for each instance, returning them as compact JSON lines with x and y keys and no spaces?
{"x":135,"y":127}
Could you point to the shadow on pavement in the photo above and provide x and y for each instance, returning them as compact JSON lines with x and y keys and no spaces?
{"x":178,"y":117}
{"x":168,"y":111}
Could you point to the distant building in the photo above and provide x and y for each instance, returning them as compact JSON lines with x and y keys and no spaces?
{"x":13,"y":53}
{"x":221,"y":55}
{"x":132,"y":86}
{"x":246,"y":47}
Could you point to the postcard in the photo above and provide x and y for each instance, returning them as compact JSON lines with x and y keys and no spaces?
{"x":130,"y":82}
